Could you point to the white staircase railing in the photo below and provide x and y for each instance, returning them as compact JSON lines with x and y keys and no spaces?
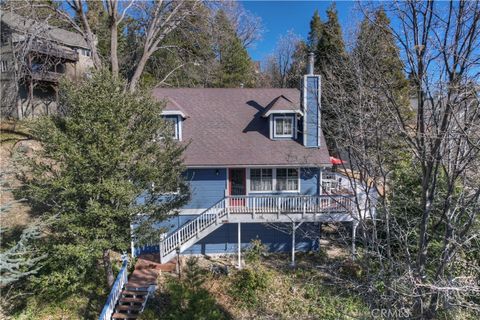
{"x":195,"y":229}
{"x":120,"y":281}
{"x":192,"y":228}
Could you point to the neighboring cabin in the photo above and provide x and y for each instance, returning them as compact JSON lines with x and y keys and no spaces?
{"x":34,"y":57}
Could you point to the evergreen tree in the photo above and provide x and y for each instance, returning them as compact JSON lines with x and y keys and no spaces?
{"x":315,"y":32}
{"x":105,"y":165}
{"x":235,"y":66}
{"x":330,"y":44}
{"x":17,"y":260}
{"x":332,"y":64}
{"x":378,"y":51}
{"x":188,"y":298}
{"x":298,"y":68}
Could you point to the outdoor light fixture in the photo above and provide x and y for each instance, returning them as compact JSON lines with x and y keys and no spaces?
{"x":217,"y":172}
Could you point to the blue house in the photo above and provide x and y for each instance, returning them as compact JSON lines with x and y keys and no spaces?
{"x":257,"y":165}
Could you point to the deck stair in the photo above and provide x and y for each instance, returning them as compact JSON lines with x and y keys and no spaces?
{"x":256,"y":209}
{"x":132,"y":294}
{"x":130,"y":304}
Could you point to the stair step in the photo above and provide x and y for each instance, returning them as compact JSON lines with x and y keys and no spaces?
{"x":128,"y":308}
{"x":131,"y":300}
{"x":134,"y":292}
{"x":124,"y":316}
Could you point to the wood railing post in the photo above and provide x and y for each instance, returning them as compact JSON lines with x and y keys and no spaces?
{"x":227,"y":206}
{"x":304,"y":206}
{"x":278,"y":208}
{"x":198,"y":227}
{"x":253,"y":208}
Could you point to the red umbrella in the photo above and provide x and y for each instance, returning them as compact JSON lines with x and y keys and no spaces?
{"x":336,"y":161}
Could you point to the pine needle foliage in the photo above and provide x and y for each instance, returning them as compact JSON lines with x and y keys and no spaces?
{"x":108,"y":163}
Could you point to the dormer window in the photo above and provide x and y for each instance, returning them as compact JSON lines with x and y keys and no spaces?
{"x":284,"y":126}
{"x":282,"y":115}
{"x":173,"y":125}
{"x":175,"y":115}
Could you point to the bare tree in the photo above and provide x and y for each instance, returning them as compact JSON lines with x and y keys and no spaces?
{"x":278,"y":64}
{"x":419,"y":150}
{"x":116,"y":15}
{"x":249,"y":27}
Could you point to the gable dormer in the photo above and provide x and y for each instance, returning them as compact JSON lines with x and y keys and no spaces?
{"x":283,"y":115}
{"x":175,"y":115}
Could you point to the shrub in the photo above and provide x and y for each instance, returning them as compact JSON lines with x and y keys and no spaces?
{"x":255,"y":250}
{"x":188,"y":299}
{"x":248,"y":284}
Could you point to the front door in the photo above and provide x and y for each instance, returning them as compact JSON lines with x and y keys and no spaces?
{"x":237,"y":186}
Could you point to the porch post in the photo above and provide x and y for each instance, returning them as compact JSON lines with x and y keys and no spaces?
{"x":293,"y":244}
{"x":239,"y":246}
{"x":354,"y":233}
{"x":132,"y":244}
{"x":160,"y":248}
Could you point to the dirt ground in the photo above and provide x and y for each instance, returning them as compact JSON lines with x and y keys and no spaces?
{"x":15,"y":213}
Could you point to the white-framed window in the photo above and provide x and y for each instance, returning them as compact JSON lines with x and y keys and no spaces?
{"x":4,"y":66}
{"x":283,"y":126}
{"x":261,"y":179}
{"x":274,"y":180}
{"x":287,"y":179}
{"x":173,"y":126}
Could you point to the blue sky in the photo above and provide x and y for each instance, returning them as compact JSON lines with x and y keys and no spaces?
{"x":280,"y":16}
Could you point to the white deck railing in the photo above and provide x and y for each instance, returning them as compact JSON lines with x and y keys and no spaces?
{"x":253,"y":205}
{"x":289,"y":204}
{"x":122,"y":279}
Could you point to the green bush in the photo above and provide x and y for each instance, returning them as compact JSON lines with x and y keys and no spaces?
{"x":188,"y":299}
{"x":255,"y":251}
{"x":248,"y":285}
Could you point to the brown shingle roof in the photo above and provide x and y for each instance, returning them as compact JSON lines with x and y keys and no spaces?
{"x":282,"y":104}
{"x":226,"y":128}
{"x":172,"y":106}
{"x":43,"y":30}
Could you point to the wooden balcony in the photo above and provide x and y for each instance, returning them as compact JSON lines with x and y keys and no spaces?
{"x":47,"y":76}
{"x":53,"y":50}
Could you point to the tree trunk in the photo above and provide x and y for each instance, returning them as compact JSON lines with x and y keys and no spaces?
{"x":138,"y":72}
{"x":107,"y":264}
{"x":113,"y":48}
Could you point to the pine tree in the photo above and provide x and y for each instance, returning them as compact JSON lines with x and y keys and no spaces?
{"x":298,"y":68}
{"x":235,"y":66}
{"x":17,"y":260}
{"x":332,"y":64}
{"x":315,"y":32}
{"x":378,"y":52}
{"x":105,"y":165}
{"x":330,"y":44}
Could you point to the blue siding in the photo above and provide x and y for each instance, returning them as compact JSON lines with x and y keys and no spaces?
{"x":224,"y":239}
{"x":312,"y":111}
{"x":206,"y":187}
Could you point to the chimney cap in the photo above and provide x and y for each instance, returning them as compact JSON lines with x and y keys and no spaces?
{"x":311,"y":63}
